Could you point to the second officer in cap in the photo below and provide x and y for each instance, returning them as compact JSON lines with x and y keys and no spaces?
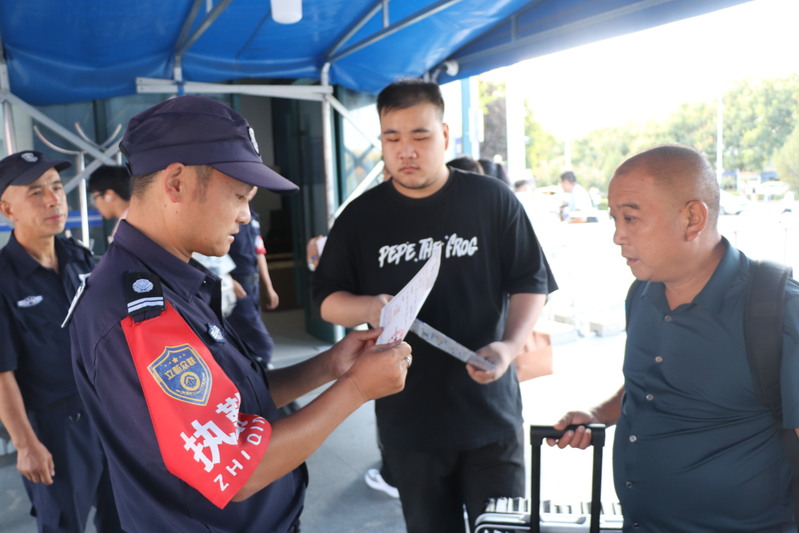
{"x":58,"y":452}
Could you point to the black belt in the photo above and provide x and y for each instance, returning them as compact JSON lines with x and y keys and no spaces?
{"x":70,"y":403}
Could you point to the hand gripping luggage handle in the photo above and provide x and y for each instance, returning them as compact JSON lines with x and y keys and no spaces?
{"x":537,"y":436}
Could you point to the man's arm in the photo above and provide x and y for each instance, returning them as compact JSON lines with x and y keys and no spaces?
{"x":286,"y":384}
{"x":269,"y":298}
{"x":607,"y":413}
{"x":350,"y":310}
{"x":375,"y":371}
{"x":524,"y":310}
{"x":34,"y":461}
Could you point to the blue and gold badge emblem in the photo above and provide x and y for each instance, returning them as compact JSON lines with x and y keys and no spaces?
{"x":182,"y":374}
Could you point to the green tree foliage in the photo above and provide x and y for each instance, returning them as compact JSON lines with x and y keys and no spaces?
{"x":786,"y":160}
{"x":758,"y":117}
{"x":543,"y":152}
{"x":495,"y":132}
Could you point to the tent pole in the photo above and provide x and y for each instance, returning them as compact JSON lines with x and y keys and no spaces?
{"x":327,"y":148}
{"x":8,"y":109}
{"x":58,"y":128}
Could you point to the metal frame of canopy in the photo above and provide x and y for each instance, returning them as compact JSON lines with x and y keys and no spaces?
{"x":322,"y":93}
{"x":534,"y":27}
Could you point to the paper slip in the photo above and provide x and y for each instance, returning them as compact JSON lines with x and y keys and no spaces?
{"x":450,"y":346}
{"x":398,"y":314}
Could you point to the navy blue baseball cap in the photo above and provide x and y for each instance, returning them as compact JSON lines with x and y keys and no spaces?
{"x":196,"y":130}
{"x":23,"y":168}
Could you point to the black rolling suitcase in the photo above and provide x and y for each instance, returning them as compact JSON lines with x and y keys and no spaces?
{"x":507,"y":515}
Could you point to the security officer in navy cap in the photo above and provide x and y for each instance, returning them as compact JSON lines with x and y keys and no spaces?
{"x":58,"y":451}
{"x":253,"y":286}
{"x":188,"y":419}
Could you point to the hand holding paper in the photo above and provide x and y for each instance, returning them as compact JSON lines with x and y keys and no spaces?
{"x":399,"y":316}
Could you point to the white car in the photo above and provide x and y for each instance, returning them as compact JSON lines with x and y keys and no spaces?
{"x":732,"y":204}
{"x":769,"y":189}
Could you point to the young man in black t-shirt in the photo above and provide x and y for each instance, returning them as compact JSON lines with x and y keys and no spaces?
{"x":454,"y":435}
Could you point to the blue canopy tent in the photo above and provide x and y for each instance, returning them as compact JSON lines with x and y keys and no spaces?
{"x":73,"y":50}
{"x":61,"y":51}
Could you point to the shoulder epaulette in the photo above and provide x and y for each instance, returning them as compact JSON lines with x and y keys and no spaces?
{"x":143,"y":292}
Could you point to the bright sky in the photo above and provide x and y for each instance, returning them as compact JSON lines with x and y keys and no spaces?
{"x":648,"y":74}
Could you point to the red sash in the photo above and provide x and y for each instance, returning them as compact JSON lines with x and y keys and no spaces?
{"x":203,"y":438}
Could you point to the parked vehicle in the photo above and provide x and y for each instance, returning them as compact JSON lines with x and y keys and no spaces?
{"x":732,"y":204}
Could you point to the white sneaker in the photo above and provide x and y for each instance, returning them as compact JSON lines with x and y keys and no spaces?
{"x":376,"y":482}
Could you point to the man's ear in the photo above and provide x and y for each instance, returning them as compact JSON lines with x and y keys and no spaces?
{"x":696,"y":218}
{"x":5,"y":209}
{"x":174,"y":181}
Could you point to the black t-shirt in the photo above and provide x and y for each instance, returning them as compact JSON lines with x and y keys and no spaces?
{"x":489,"y":252}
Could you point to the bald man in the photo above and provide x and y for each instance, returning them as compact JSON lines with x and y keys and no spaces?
{"x":695,"y":450}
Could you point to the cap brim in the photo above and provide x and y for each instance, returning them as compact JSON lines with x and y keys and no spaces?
{"x":35,"y":171}
{"x":257,"y":174}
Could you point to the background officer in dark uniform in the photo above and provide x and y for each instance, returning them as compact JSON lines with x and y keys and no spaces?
{"x":188,"y":420}
{"x":58,"y":452}
{"x":252,"y":274}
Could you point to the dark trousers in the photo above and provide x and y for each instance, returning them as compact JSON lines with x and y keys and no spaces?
{"x":81,"y":475}
{"x":434,"y":486}
{"x":246,"y":320}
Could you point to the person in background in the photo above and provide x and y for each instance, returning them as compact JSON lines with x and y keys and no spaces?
{"x":454,"y":436}
{"x":466,"y":163}
{"x":253,"y":285}
{"x":578,"y":207}
{"x":496,"y":169}
{"x":187,"y":416}
{"x":58,"y":452}
{"x":695,"y":450}
{"x":109,"y":187}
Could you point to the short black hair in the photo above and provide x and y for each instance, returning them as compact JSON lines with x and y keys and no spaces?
{"x":409,"y":92}
{"x":495,"y":169}
{"x":111,"y":177}
{"x":466,"y":163}
{"x":568,"y":176}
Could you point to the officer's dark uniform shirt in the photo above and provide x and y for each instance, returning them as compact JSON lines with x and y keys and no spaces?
{"x":246,"y":315}
{"x":150,"y":498}
{"x":33,"y":304}
{"x":242,"y":250}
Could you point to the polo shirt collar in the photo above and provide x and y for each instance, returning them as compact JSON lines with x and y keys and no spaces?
{"x":713,"y":294}
{"x":25,"y":265}
{"x":186,"y":279}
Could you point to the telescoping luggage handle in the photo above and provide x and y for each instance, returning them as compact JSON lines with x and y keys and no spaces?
{"x":537,"y":436}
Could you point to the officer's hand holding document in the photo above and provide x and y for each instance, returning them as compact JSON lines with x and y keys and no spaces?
{"x":399,"y":316}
